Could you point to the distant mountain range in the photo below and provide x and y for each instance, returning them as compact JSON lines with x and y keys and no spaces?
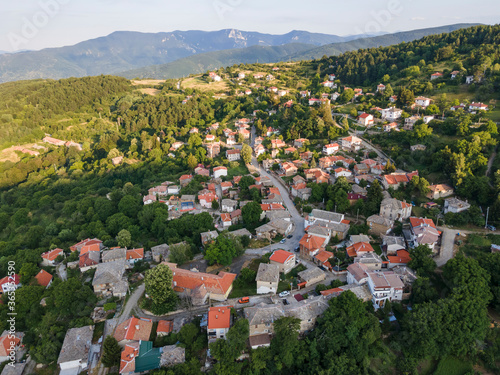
{"x":135,"y":54}
{"x":126,"y":50}
{"x":214,"y":60}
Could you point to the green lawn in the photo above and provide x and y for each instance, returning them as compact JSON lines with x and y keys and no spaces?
{"x":241,"y":170}
{"x":243,"y":291}
{"x":453,"y":366}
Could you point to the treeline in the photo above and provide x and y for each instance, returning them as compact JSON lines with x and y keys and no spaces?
{"x":476,"y":51}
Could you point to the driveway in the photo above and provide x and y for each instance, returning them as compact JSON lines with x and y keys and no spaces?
{"x":447,"y":246}
{"x":131,"y":303}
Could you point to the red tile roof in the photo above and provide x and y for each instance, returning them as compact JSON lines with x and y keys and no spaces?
{"x":5,"y":344}
{"x":52,"y":254}
{"x":323,"y":256}
{"x":43,"y":278}
{"x":359,"y":247}
{"x":225,"y":217}
{"x":271,"y":206}
{"x":127,"y":363}
{"x":16,"y":280}
{"x":218,"y":284}
{"x":134,"y":329}
{"x":92,"y":247}
{"x":403,"y":257}
{"x":219,"y":317}
{"x":165,"y":326}
{"x":416,"y":221}
{"x":311,"y":242}
{"x":135,"y":254}
{"x":280,"y":256}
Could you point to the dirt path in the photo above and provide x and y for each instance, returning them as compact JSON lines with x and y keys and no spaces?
{"x":131,"y":304}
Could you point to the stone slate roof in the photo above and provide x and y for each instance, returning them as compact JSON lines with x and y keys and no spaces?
{"x":310,"y":274}
{"x":326,"y":215}
{"x":109,"y":273}
{"x":114,"y":254}
{"x":76,"y":345}
{"x":263,"y":314}
{"x":268,"y":273}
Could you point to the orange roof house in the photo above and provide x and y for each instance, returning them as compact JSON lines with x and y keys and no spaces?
{"x":50,"y":256}
{"x":44,"y":278}
{"x":88,"y":241}
{"x":359,"y":248}
{"x":92,"y":247}
{"x":133,"y":329}
{"x":165,"y":327}
{"x":200,"y":285}
{"x":127,"y":363}
{"x":280,"y":256}
{"x":5,"y":344}
{"x":402,"y":257}
{"x":219,"y":317}
{"x":135,"y":254}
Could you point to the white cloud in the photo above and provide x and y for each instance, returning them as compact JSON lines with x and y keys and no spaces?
{"x":418,"y":18}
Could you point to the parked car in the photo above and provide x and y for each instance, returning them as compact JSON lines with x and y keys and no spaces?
{"x":491,"y":227}
{"x":284,"y":293}
{"x":289,"y":236}
{"x":283,"y":240}
{"x":297,"y":249}
{"x":244,"y":300}
{"x":285,"y":301}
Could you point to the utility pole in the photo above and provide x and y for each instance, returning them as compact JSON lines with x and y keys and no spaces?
{"x":487,"y":212}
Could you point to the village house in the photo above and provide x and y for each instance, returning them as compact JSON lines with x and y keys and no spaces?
{"x":49,"y":257}
{"x":401,"y":258}
{"x":283,"y":259}
{"x":380,"y":88}
{"x":173,"y":190}
{"x":330,"y":148}
{"x":134,"y":255}
{"x":351,"y":143}
{"x":322,"y":259}
{"x":261,"y":318}
{"x":160,"y":252}
{"x":410,"y":122}
{"x":201,"y":171}
{"x":424,"y":232}
{"x":455,"y":205}
{"x":357,"y":273}
{"x":219,"y":172}
{"x":273,"y":228}
{"x":392,"y":114}
{"x":176,"y":145}
{"x":74,"y":354}
{"x":277,"y":143}
{"x":390,"y":127}
{"x":54,"y":141}
{"x":392,"y":244}
{"x":379,"y":225}
{"x":290,"y":150}
{"x":185,"y":179}
{"x":384,"y":286}
{"x":89,"y":257}
{"x":226,"y":221}
{"x":372,"y":260}
{"x":301,"y":142}
{"x":77,"y":247}
{"x":10,"y":283}
{"x":361,"y":168}
{"x":8,"y":340}
{"x":208,"y":237}
{"x":423,"y":101}
{"x":394,"y":209}
{"x":439,"y":191}
{"x":323,"y":218}
{"x":436,"y":75}
{"x":307,"y":311}
{"x":164,"y":328}
{"x":473,"y":107}
{"x":133,"y":329}
{"x":289,"y":169}
{"x":114,"y":254}
{"x":366,"y":119}
{"x":268,"y":277}
{"x":395,"y":180}
{"x":149,"y":199}
{"x":229,"y":205}
{"x":207,"y":199}
{"x":233,"y":155}
{"x":44,"y":278}
{"x":259,"y":150}
{"x":342,"y":172}
{"x":301,"y":190}
{"x":200,"y":286}
{"x":311,"y":276}
{"x":218,"y":323}
{"x":109,"y":279}
{"x":213,"y":150}
{"x":310,"y":245}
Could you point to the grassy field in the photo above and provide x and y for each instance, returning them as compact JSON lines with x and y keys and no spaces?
{"x":197,"y":83}
{"x":241,"y":170}
{"x":147,"y":82}
{"x":453,"y":366}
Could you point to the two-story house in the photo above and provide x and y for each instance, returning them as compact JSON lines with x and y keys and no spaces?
{"x":219,"y":322}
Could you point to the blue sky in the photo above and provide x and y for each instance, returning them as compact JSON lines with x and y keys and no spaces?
{"x":37,"y":24}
